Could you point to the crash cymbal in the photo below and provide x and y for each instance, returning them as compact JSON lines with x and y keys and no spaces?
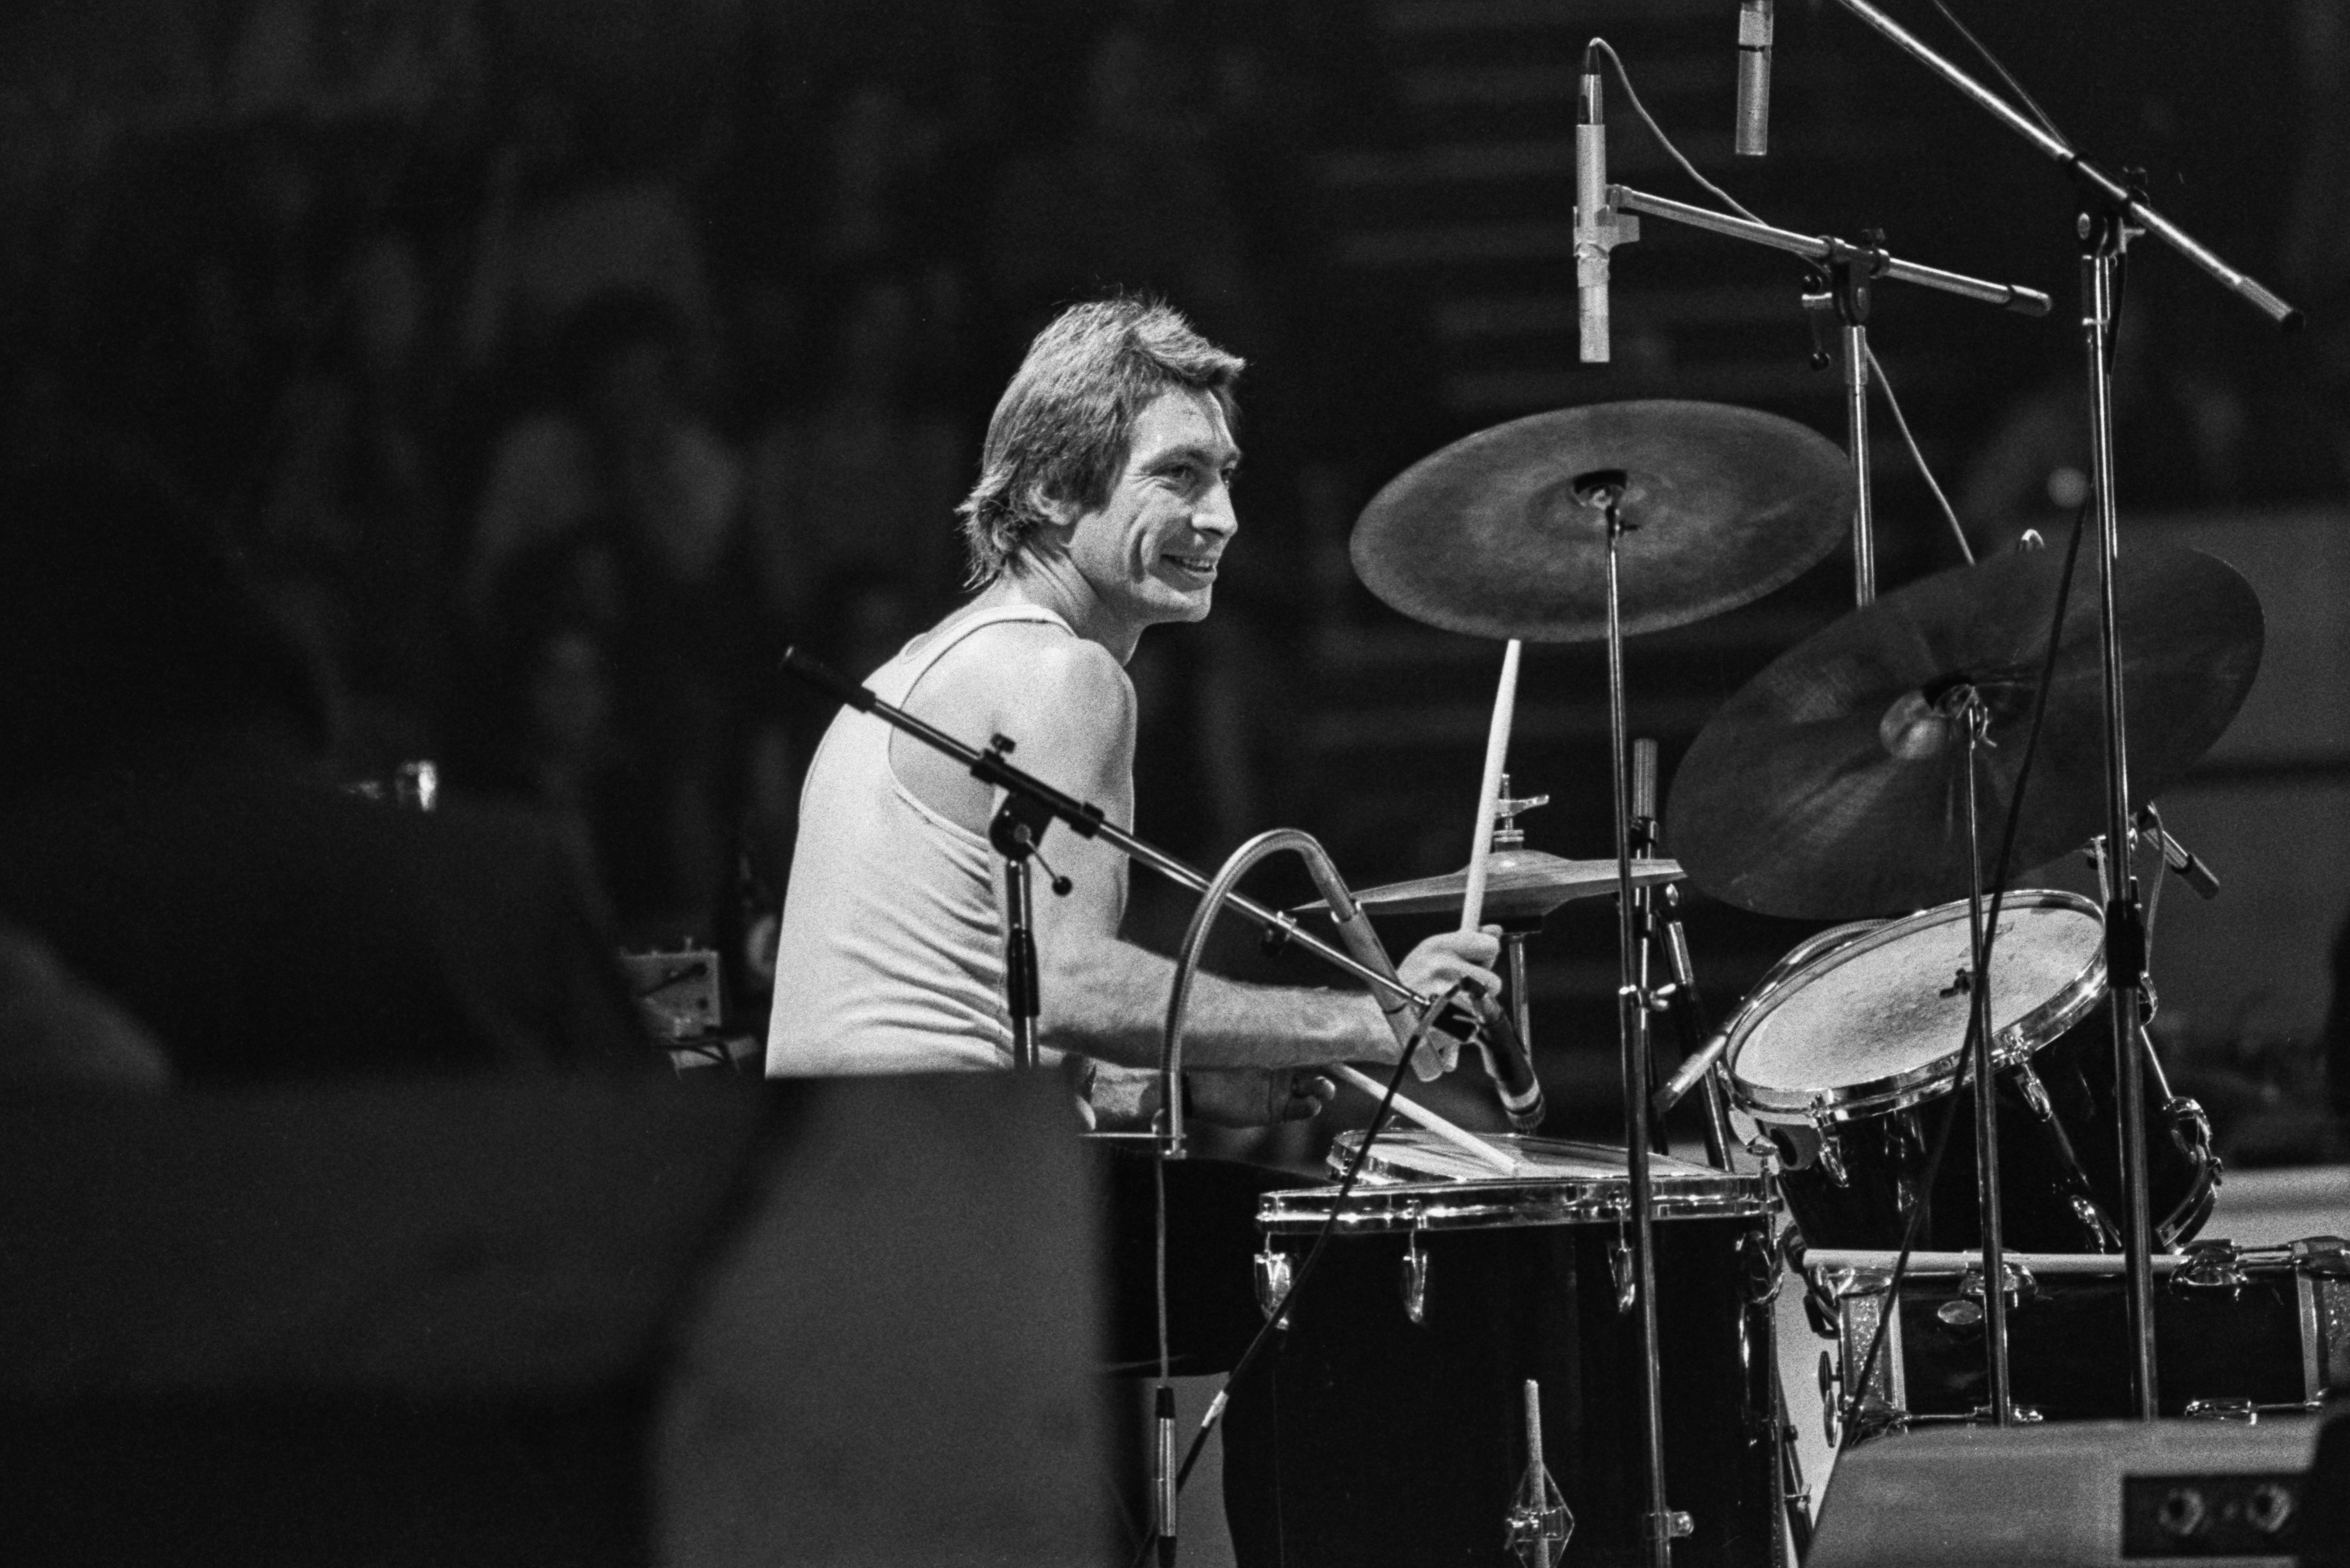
{"x":1830,"y":786}
{"x":1519,"y":883}
{"x":1491,"y":535}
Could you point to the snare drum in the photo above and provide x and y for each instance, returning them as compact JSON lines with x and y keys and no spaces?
{"x":1390,"y":1426}
{"x":1841,"y":1052}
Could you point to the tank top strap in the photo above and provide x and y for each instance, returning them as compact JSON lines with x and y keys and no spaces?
{"x":909,"y":673}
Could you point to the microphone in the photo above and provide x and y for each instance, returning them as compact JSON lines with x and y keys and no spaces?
{"x":1754,"y":27}
{"x":1511,"y":1064}
{"x":1591,"y":237}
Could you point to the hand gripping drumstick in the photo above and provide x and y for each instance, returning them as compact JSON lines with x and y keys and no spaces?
{"x":1507,"y":1061}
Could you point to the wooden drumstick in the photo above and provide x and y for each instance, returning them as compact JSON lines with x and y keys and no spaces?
{"x":1461,"y":1138}
{"x":1497,"y":752}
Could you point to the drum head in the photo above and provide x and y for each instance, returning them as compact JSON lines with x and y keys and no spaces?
{"x":1878,"y":1023}
{"x":1416,"y":1181}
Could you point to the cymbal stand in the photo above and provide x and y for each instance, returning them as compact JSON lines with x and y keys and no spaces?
{"x":1850,"y":271}
{"x":1965,"y":704}
{"x":1681,"y":997}
{"x":2111,"y":213}
{"x":1603,"y":491}
{"x":2104,"y":236}
{"x":1846,"y":298}
{"x":1661,"y":927}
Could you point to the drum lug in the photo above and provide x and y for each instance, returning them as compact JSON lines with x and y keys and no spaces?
{"x":1831,"y":1159}
{"x":1831,"y":1399}
{"x":2190,"y":1128}
{"x":1415,"y":1278}
{"x":2035,"y":1093}
{"x":1273,"y":1273}
{"x":1619,"y":1265}
{"x":1763,"y":1274}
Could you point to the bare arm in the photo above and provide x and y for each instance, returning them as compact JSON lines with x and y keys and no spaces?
{"x":1072,"y":713}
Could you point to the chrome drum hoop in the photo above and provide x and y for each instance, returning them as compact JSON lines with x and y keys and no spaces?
{"x":1392,"y":1197}
{"x":2018,"y":1042}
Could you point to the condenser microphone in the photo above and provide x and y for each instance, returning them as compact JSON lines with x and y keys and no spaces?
{"x":1592,"y":237}
{"x":1754,"y":25}
{"x":1512,"y":1066}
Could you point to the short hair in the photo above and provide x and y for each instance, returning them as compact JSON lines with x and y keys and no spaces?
{"x":1065,"y":425}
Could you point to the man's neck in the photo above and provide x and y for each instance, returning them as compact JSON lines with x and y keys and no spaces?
{"x":1050,"y":583}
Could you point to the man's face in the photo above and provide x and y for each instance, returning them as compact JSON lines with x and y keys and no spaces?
{"x":1150,"y":551}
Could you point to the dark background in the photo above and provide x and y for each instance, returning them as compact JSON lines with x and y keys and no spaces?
{"x":554,"y":365}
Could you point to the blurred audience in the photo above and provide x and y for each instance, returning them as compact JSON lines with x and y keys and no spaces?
{"x":621,"y":509}
{"x":168,"y":825}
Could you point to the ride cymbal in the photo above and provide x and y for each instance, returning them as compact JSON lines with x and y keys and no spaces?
{"x":1830,"y":788}
{"x":1496,"y":535}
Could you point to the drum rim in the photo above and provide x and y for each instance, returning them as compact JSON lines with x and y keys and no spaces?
{"x":1509,"y":1202}
{"x":1869,"y":1098}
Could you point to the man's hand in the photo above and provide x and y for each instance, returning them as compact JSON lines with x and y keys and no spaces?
{"x":1434,"y":967}
{"x":1251,"y":1096}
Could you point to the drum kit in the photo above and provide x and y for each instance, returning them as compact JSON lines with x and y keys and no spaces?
{"x":1890,"y":773}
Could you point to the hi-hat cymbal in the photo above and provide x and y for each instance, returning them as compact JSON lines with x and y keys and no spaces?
{"x":1493,"y":535}
{"x":1831,"y":786}
{"x":1519,"y":883}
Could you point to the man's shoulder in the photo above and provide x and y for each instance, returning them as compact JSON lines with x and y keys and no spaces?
{"x":1023,"y":664}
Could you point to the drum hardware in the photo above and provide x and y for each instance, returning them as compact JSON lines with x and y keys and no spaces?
{"x":1539,"y":1522}
{"x":2109,"y":213}
{"x":1845,"y":273}
{"x":1273,"y":1280}
{"x":2209,"y":1266}
{"x":1433,"y":1490}
{"x":1761,"y":1259}
{"x":1415,"y":1277}
{"x":1619,"y":1265}
{"x":1661,"y":928}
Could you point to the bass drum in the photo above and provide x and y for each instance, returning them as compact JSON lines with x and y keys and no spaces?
{"x":1847,"y":1053}
{"x":1390,"y":1426}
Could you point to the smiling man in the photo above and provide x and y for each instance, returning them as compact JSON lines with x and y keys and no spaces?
{"x":1104,"y":507}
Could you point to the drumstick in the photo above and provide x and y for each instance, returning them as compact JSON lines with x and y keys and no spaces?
{"x":1497,"y":750}
{"x":1461,"y":1138}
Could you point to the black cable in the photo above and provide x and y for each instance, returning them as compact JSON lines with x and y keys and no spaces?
{"x":1991,"y":934}
{"x":1314,"y":1254}
{"x":2017,"y":87}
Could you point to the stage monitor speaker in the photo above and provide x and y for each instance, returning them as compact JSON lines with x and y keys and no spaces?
{"x":2079,"y":1493}
{"x":848,"y":1322}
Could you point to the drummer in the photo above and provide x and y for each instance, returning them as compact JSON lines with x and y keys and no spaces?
{"x":1104,"y":506}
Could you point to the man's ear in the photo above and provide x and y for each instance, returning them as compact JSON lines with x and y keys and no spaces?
{"x":1059,"y":512}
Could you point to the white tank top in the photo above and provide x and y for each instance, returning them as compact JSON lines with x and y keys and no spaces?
{"x":892,"y":955}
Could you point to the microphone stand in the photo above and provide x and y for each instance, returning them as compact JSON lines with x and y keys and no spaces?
{"x":2110,"y":215}
{"x":1850,"y":270}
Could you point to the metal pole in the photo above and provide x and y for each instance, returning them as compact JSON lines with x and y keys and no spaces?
{"x":1657,"y":1523}
{"x":1856,"y":424}
{"x":2002,"y":1404}
{"x":1020,"y":960}
{"x":2103,"y":238}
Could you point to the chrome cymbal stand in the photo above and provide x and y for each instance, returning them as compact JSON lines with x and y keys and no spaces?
{"x":1602,"y":491}
{"x":2110,"y":213}
{"x":1965,"y":705}
{"x":1851,"y":270}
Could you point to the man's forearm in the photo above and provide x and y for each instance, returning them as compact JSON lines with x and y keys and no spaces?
{"x":1108,"y":999}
